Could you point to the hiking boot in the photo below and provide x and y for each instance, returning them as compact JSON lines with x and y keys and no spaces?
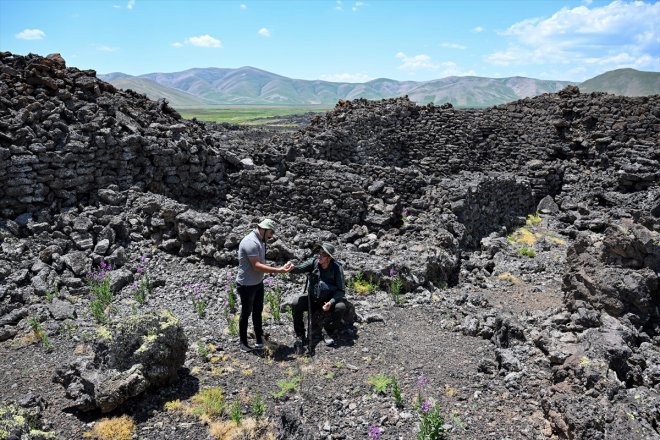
{"x":244,"y":348}
{"x":329,"y":341}
{"x":299,"y":346}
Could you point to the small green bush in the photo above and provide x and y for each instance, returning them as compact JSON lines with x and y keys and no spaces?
{"x":380,"y":383}
{"x":286,"y":385}
{"x":363,"y":285}
{"x":258,"y":407}
{"x":526,"y":252}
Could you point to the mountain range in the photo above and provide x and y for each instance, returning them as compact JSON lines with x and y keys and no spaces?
{"x":201,"y":87}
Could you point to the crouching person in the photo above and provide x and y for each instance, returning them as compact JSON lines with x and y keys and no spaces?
{"x":325,"y":291}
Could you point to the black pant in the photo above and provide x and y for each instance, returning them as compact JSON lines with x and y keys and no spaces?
{"x":300,"y":306}
{"x":252,"y":302}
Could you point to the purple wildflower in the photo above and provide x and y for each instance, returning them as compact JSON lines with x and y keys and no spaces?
{"x":426,"y":406}
{"x":268,"y":282}
{"x":405,"y":211}
{"x":227,"y":288}
{"x":105,"y":267}
{"x":375,"y":432}
{"x":392,"y":272}
{"x":143,"y":259}
{"x":422,"y":381}
{"x":139,"y":270}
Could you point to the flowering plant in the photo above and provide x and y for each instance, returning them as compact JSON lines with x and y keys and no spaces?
{"x":99,"y":285}
{"x":198,"y":300}
{"x":375,"y":432}
{"x":142,"y":287}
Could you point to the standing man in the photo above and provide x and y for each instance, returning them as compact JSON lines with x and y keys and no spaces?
{"x":325,"y":290}
{"x":249,"y":280}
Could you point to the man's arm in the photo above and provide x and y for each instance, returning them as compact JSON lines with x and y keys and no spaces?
{"x":304,"y":267}
{"x":261,"y":267}
{"x":340,"y":293}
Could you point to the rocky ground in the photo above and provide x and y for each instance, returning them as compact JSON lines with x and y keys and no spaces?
{"x":489,"y":384}
{"x":503,"y":265}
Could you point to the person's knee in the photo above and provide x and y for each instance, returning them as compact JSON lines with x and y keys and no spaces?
{"x":340,"y":307}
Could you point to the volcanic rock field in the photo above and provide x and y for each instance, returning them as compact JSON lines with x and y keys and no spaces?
{"x":503,"y":265}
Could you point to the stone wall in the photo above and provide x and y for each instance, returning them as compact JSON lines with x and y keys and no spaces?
{"x":538,"y":138}
{"x":64,"y":134}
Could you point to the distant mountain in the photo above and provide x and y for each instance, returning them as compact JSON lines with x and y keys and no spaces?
{"x":627,"y":82}
{"x":154,"y":90}
{"x":251,"y":86}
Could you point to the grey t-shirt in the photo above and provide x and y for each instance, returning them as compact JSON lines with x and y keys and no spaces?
{"x":251,"y":246}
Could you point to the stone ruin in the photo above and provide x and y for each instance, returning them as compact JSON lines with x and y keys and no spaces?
{"x":86,"y":169}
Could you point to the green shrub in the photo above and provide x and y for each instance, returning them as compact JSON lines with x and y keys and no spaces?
{"x":258,"y":407}
{"x":380,"y":383}
{"x":396,"y":286}
{"x":209,"y":402}
{"x":533,"y":219}
{"x":286,"y":385}
{"x":274,"y":300}
{"x":363,"y":285}
{"x":235,"y":412}
{"x":396,"y":393}
{"x":527,"y":252}
{"x":99,"y":285}
{"x":431,"y":422}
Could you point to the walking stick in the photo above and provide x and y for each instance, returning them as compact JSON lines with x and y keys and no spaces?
{"x":309,"y":318}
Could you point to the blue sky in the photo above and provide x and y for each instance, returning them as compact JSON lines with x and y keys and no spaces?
{"x":351,"y":41}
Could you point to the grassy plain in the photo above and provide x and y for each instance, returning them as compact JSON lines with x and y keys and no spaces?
{"x":244,"y":114}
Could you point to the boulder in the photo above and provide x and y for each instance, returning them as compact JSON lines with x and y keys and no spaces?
{"x":135,"y":354}
{"x":616,"y":273}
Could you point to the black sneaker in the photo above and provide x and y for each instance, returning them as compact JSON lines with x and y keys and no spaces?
{"x":244,"y":348}
{"x":330,"y":342}
{"x":259,"y":345}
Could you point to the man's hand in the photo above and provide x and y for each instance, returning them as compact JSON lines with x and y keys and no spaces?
{"x":288,"y":267}
{"x":326,"y":306}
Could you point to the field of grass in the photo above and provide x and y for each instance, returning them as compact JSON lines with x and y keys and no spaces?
{"x":244,"y":114}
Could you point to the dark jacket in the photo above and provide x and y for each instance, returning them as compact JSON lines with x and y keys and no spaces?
{"x":332,"y":289}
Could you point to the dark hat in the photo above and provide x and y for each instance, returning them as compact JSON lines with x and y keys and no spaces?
{"x":328,"y":249}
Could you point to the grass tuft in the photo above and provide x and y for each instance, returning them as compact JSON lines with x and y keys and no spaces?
{"x":116,"y":428}
{"x":363,"y":285}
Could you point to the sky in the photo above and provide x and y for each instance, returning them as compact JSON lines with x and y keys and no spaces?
{"x":345,"y":41}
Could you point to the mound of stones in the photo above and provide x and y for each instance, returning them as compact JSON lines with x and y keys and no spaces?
{"x":131,"y":355}
{"x":65,"y":134}
{"x":612,"y":294}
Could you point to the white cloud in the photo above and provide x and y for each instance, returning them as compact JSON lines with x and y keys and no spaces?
{"x":204,"y":41}
{"x":417,"y":62}
{"x":264,"y":32}
{"x":357,"y":6}
{"x":177,"y":44}
{"x":621,"y":34}
{"x":116,"y":6}
{"x":338,"y":6}
{"x":478,"y":29}
{"x":346,"y":77}
{"x":107,"y":49}
{"x":243,"y":6}
{"x":450,"y":68}
{"x":453,"y":46}
{"x":131,"y":4}
{"x":31,"y":34}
